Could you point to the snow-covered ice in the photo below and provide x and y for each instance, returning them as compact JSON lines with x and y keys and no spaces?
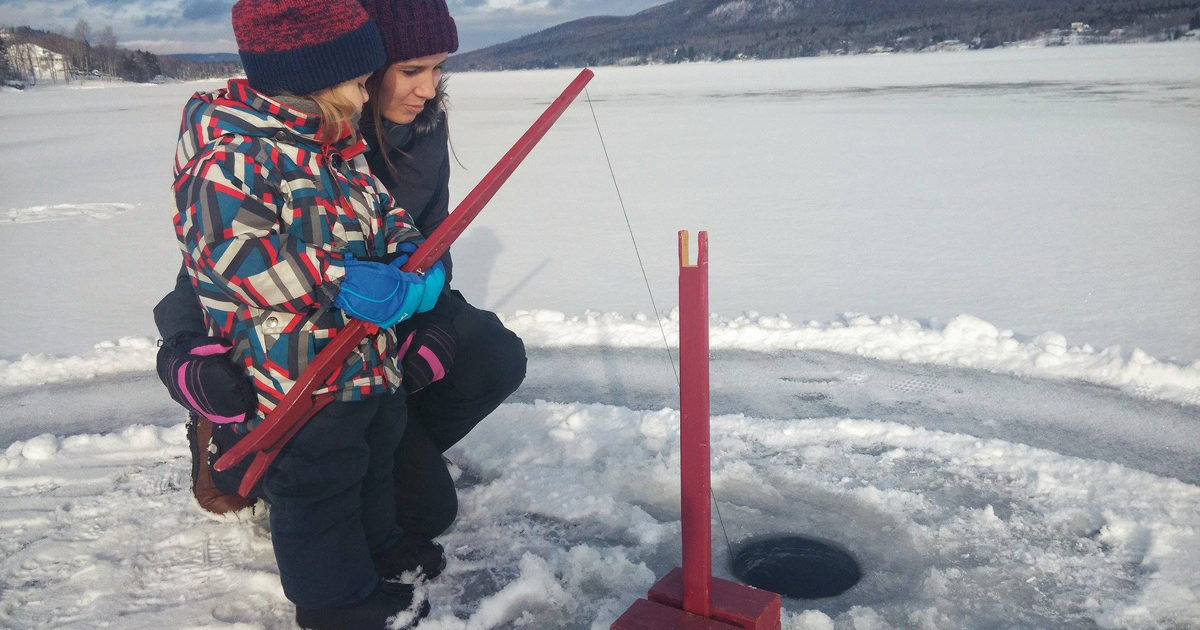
{"x":987,"y":473}
{"x":1048,"y":189}
{"x":569,"y":511}
{"x":973,"y":499}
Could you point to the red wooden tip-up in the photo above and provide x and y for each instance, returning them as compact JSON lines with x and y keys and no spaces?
{"x":690,"y":598}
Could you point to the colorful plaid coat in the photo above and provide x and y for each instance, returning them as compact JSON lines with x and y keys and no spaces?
{"x":265,"y":215}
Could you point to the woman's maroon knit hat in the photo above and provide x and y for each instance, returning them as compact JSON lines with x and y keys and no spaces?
{"x":301,"y":46}
{"x":413,"y":28}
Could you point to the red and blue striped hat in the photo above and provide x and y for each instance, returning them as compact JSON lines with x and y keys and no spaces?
{"x":302,"y":46}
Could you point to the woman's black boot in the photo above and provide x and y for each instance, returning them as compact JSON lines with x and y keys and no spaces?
{"x":412,"y":553}
{"x":391,"y":598}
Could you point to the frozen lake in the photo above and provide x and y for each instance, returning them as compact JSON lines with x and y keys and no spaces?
{"x":982,"y":479}
{"x":1042,"y":189}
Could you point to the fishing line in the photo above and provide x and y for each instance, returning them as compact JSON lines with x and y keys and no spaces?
{"x":646,"y":278}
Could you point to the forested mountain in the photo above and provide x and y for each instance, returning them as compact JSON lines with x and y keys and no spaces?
{"x":688,"y":30}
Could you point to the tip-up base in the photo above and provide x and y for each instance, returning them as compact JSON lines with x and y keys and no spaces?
{"x":734,"y":606}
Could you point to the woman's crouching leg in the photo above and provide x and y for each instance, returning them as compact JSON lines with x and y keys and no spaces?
{"x":489,"y":365}
{"x":324,"y":489}
{"x":426,"y":502}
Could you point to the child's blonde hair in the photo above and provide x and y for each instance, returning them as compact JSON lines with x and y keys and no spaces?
{"x":337,"y":114}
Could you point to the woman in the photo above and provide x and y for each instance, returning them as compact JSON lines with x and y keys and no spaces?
{"x":459,"y":363}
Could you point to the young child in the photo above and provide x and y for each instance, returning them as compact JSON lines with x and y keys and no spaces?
{"x":285,"y":234}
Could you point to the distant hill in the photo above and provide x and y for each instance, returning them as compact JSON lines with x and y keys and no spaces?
{"x":208,"y":57}
{"x":695,"y":30}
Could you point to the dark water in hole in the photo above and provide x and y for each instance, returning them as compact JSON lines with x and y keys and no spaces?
{"x":796,"y":567}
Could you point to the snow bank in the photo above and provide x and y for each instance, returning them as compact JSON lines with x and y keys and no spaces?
{"x":965,"y":341}
{"x":64,"y":211}
{"x":128,"y":354}
{"x":138,"y":439}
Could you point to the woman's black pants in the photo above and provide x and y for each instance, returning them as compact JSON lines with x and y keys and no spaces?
{"x":489,"y":365}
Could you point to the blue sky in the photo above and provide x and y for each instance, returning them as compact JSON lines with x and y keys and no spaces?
{"x":173,"y":26}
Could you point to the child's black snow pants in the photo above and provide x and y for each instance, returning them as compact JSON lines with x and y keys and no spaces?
{"x":489,"y":365}
{"x":331,"y":496}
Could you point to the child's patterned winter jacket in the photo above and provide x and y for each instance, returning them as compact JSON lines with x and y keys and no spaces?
{"x":265,"y":215}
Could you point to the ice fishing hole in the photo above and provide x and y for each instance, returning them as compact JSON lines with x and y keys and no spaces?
{"x":796,"y":567}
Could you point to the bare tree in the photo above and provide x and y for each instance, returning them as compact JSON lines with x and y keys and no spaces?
{"x":83,"y":31}
{"x":106,"y":49}
{"x":106,"y":38}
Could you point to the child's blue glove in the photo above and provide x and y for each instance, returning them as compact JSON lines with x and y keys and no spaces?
{"x":379,"y":293}
{"x":435,"y":276}
{"x":435,"y":279}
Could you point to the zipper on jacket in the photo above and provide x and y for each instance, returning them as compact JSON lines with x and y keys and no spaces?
{"x":328,"y":152}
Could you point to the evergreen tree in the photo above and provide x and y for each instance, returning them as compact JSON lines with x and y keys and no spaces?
{"x":6,"y":70}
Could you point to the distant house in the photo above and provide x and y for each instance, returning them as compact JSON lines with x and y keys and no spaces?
{"x":1080,"y":27}
{"x":35,"y":64}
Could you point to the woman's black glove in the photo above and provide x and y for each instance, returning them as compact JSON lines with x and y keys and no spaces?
{"x":426,"y":351}
{"x":199,"y":375}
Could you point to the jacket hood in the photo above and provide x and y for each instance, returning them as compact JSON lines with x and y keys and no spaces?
{"x":434,"y":112}
{"x":239,"y":110}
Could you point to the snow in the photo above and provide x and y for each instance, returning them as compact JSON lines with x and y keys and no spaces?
{"x":964,"y":341}
{"x":1048,"y":189}
{"x":569,"y":511}
{"x":128,"y":354}
{"x":66,"y":211}
{"x":985,"y":472}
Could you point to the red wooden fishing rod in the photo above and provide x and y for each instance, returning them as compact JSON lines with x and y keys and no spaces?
{"x":299,"y":405}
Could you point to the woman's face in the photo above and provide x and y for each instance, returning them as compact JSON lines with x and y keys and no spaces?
{"x":354,"y":91}
{"x":406,"y":85}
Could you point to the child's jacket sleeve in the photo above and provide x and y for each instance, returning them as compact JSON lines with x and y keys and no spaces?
{"x":229,"y":223}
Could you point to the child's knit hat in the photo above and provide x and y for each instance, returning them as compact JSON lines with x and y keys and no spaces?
{"x":302,"y":46}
